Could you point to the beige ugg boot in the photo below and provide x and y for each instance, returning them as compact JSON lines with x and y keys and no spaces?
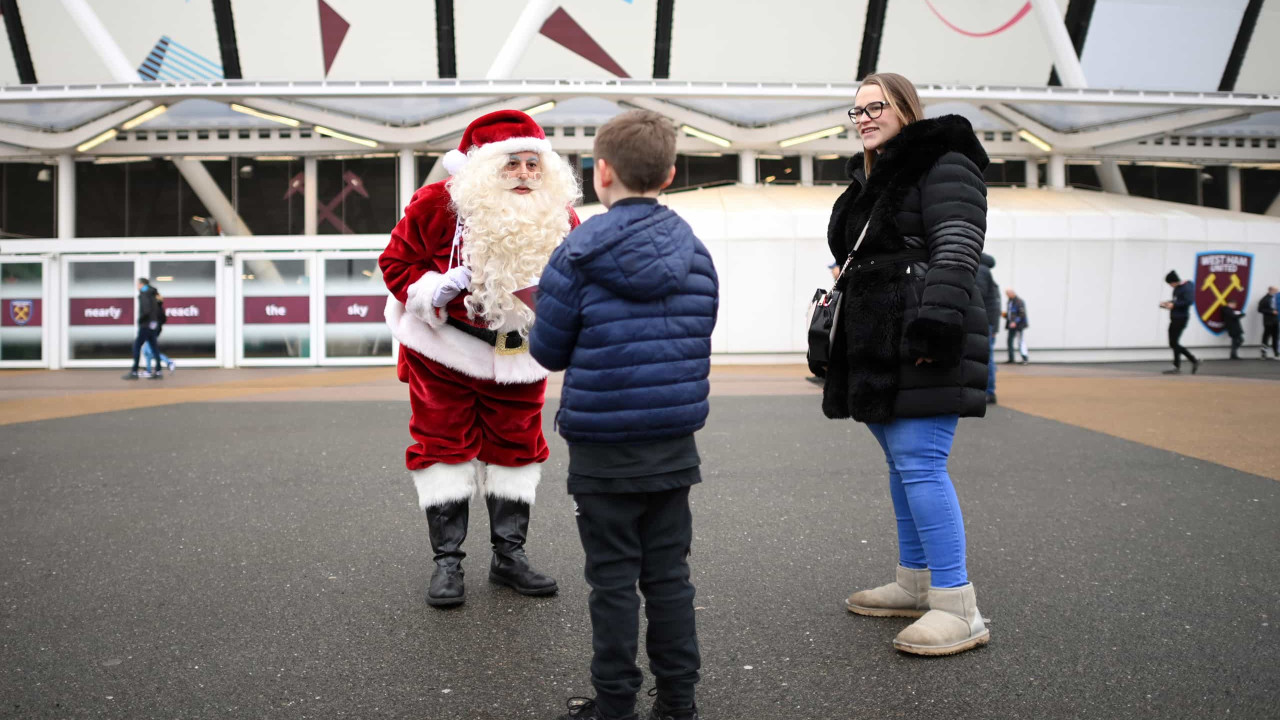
{"x":907,"y":597}
{"x":952,"y":625}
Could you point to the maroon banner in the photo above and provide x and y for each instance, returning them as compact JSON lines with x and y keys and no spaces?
{"x":101,"y":311}
{"x":190,"y":310}
{"x":271,"y":310}
{"x":354,"y":308}
{"x":17,"y":312}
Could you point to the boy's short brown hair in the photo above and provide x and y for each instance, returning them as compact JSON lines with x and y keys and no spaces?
{"x":640,"y":146}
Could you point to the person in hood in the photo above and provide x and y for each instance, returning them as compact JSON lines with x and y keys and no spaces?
{"x":990,"y":290}
{"x":910,"y":352}
{"x":626,"y":307}
{"x":150,"y":318}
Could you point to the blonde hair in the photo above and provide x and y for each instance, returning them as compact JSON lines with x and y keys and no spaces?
{"x":901,"y":95}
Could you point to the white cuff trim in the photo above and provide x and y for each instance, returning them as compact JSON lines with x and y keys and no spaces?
{"x":455,"y":160}
{"x":419,"y":300}
{"x":513,"y":483}
{"x":444,"y":483}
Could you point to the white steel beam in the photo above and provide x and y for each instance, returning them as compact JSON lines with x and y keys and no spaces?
{"x":1235,"y":198}
{"x":1057,"y":172}
{"x":806,"y":170}
{"x":1274,"y":208}
{"x":747,"y":167}
{"x":535,"y":13}
{"x":408,"y":172}
{"x":68,"y":140}
{"x":231,"y":90}
{"x":1111,"y":178}
{"x":310,"y":202}
{"x":96,"y":33}
{"x":1065,"y":60}
{"x":206,"y":188}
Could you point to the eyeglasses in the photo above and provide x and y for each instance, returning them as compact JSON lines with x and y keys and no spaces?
{"x":872,"y":110}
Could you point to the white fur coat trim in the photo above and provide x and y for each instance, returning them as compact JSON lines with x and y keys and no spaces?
{"x":455,"y":160}
{"x":513,"y":483}
{"x":444,"y":483}
{"x":459,"y":351}
{"x":419,"y":296}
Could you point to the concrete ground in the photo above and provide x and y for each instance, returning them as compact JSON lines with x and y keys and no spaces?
{"x":246,"y":544}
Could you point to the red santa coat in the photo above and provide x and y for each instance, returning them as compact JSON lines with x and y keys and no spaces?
{"x":413,"y":266}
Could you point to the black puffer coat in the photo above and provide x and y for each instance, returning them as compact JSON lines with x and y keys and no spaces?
{"x":910,"y":290}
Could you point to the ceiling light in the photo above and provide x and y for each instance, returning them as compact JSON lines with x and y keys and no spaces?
{"x":96,"y":140}
{"x":768,"y":157}
{"x":836,"y":130}
{"x":153,"y":112}
{"x":266,"y":115}
{"x":832,"y":156}
{"x":540,"y":108}
{"x":1034,"y":140}
{"x":275,"y":158}
{"x":1256,"y":166}
{"x":119,"y":159}
{"x":1170,"y":164}
{"x":164,"y":278}
{"x":703,"y":135}
{"x":1083,"y":162}
{"x":343,"y":136}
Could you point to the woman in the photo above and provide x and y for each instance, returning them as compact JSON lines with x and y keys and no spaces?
{"x":909,"y":358}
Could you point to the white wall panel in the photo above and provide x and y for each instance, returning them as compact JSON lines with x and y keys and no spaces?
{"x":623,"y":30}
{"x":757,"y":295}
{"x":1137,"y":288}
{"x":1186,"y":49}
{"x":1260,"y":72}
{"x":918,"y":43}
{"x":61,"y":54}
{"x":1088,"y":309}
{"x":767,"y":40}
{"x":1040,"y":278}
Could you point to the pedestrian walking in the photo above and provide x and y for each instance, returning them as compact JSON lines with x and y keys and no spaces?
{"x":1184,"y":297}
{"x":1231,"y":315}
{"x":1269,"y":308}
{"x":910,"y":349}
{"x":1015,"y":325}
{"x":990,"y":290}
{"x":150,"y":316}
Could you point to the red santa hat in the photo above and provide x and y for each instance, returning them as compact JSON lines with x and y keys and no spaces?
{"x":502,"y":132}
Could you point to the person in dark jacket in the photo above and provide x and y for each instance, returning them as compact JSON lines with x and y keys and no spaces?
{"x":1015,"y":324}
{"x":1269,"y":308}
{"x":1184,"y":296}
{"x":150,"y":317}
{"x":626,"y":306}
{"x":1231,"y":321}
{"x":990,"y":290}
{"x":909,"y":355}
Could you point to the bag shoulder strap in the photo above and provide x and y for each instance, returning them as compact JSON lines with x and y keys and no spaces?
{"x":861,"y":236}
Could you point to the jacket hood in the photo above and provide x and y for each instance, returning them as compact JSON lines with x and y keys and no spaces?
{"x":989,"y":261}
{"x":634,"y":250}
{"x":931,"y":138}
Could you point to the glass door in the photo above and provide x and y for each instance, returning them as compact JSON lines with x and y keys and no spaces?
{"x":354,"y":331}
{"x":275,"y":309}
{"x":99,"y":306}
{"x":189,"y":285}
{"x":23,"y":319}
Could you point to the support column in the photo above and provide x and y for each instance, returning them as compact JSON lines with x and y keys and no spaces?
{"x":310,"y":203}
{"x":206,"y":188}
{"x":408,"y":176}
{"x":747,"y":167}
{"x":1235,"y":198}
{"x":1032,"y":179}
{"x":53,"y":322}
{"x":806,"y":170}
{"x":1111,"y":178}
{"x":1065,"y":60}
{"x":1057,"y":174}
{"x":66,"y":196}
{"x":535,"y":13}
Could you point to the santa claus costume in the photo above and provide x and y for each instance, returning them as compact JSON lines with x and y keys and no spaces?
{"x":455,"y":259}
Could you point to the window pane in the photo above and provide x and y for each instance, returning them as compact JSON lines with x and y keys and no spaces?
{"x":22,"y":311}
{"x":269,"y":195}
{"x":29,"y":203}
{"x":354,"y":300}
{"x":189,"y":289}
{"x":277,"y":308}
{"x":101,"y":306}
{"x":102,"y":200}
{"x":357,"y":196}
{"x":153,"y":206}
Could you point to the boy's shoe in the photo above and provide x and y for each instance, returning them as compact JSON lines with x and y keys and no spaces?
{"x":144,"y":374}
{"x":157,"y":375}
{"x":1195,"y":366}
{"x":131,"y":375}
{"x":172,"y":368}
{"x":907,"y":596}
{"x":1172,"y":371}
{"x":660,"y":711}
{"x":581,"y":708}
{"x":952,"y":625}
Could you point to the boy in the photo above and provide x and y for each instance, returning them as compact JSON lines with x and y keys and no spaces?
{"x":627,"y":304}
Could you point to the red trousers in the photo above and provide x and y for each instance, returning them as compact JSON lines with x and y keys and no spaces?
{"x":458,"y":418}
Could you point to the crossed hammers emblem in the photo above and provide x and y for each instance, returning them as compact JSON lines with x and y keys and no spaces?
{"x":351,"y":183}
{"x":1222,"y":295}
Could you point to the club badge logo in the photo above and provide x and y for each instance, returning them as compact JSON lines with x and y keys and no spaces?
{"x":1222,"y":279}
{"x":20,"y":311}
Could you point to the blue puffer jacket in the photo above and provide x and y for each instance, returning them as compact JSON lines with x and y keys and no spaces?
{"x":627,"y":303}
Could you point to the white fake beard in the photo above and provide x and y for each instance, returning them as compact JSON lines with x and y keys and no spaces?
{"x":508,"y":237}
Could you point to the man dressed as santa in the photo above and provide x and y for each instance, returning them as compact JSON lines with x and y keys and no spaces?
{"x":464,"y":247}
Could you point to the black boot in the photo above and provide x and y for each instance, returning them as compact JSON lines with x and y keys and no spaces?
{"x":448,"y":528}
{"x":508,"y":526}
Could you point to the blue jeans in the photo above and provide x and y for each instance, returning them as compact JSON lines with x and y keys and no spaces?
{"x":147,"y":357}
{"x":930,"y":527}
{"x":991,"y":360}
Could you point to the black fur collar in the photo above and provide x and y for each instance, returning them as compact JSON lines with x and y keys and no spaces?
{"x":919,"y":145}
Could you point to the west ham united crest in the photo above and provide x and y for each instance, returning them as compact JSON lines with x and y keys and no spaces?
{"x":1222,"y":278}
{"x":20,"y":311}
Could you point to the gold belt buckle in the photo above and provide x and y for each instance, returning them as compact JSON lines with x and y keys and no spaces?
{"x":502,"y":348}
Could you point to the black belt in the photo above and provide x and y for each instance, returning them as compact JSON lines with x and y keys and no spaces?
{"x":511,"y":342}
{"x":871,"y":262}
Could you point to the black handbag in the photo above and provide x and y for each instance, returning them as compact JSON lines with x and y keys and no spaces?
{"x":825,"y":317}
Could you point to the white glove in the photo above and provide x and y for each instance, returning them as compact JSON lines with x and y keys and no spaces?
{"x":454,"y":282}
